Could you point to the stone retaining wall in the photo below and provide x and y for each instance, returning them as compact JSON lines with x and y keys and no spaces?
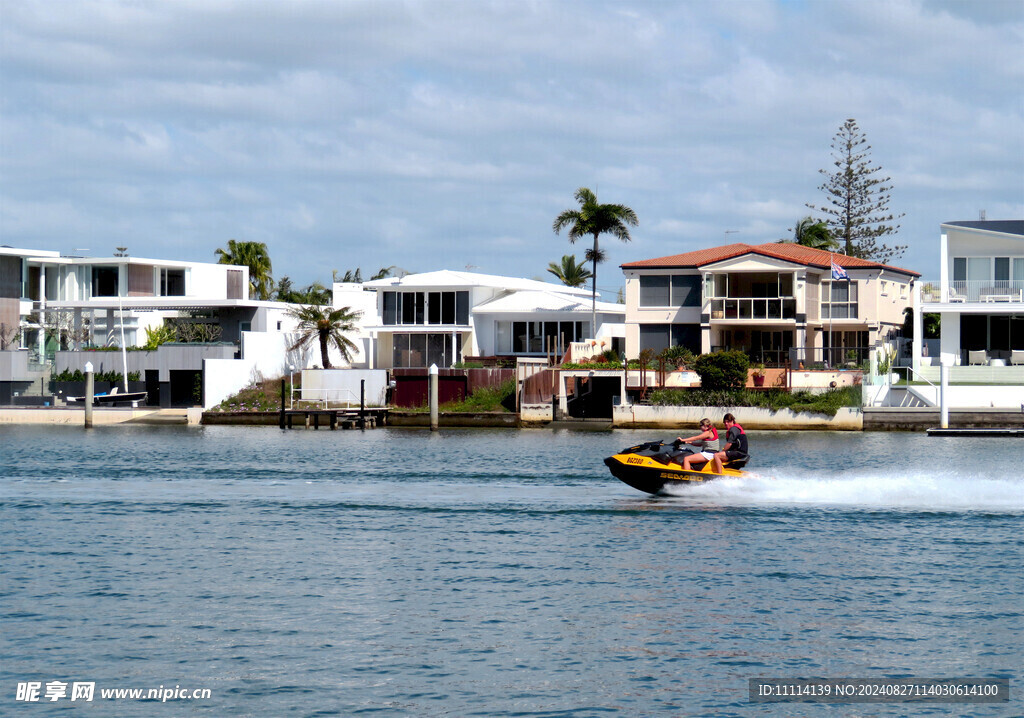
{"x":654,"y":417}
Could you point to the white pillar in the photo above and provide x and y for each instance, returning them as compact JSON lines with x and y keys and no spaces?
{"x":41,"y":337}
{"x":943,"y":267}
{"x":88,"y":394}
{"x":943,"y":396}
{"x":915,"y":357}
{"x":77,"y":343}
{"x":433,"y":396}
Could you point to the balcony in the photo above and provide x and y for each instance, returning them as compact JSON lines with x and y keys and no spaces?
{"x":985,"y":291}
{"x":754,"y":308}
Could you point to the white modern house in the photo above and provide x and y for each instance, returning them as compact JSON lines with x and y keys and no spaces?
{"x":979,"y":298}
{"x":445,"y":317}
{"x":53,"y":306}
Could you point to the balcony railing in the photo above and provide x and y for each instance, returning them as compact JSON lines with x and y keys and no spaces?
{"x":754,"y":308}
{"x":974,"y":290}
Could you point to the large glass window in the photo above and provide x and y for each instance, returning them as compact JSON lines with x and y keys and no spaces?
{"x":426,"y":308}
{"x":839,"y":299}
{"x":654,"y":291}
{"x":680,"y":290}
{"x":537,"y":337}
{"x":104,"y":281}
{"x":422,"y":350}
{"x":172,"y":282}
{"x":661,"y":336}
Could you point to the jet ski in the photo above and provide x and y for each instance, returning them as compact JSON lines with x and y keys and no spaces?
{"x":655,"y":466}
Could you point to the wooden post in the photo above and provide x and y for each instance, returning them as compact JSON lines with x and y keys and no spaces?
{"x":362,"y":403}
{"x":281,"y":420}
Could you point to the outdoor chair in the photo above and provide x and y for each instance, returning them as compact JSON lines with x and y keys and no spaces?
{"x":977,"y":358}
{"x":1017,"y":357}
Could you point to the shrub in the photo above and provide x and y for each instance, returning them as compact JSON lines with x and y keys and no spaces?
{"x":722,"y":370}
{"x":155,"y":336}
{"x":486,"y":398}
{"x":773,"y":399}
{"x":678,"y":355}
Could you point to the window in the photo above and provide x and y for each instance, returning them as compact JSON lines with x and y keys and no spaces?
{"x":1002,"y":269}
{"x":422,"y":350}
{"x":537,"y":337}
{"x":679,"y":290}
{"x":839,"y":299}
{"x":426,"y":308}
{"x":172,"y":282}
{"x":105,"y":281}
{"x":662,"y":336}
{"x":654,"y":291}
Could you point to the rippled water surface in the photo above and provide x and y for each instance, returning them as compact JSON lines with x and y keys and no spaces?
{"x":476,"y":572}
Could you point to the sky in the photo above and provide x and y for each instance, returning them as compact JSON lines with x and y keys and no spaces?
{"x":448,"y":135}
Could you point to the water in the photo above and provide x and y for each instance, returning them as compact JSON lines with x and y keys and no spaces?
{"x":498,"y":572}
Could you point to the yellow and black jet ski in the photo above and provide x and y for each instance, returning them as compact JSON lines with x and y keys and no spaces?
{"x":655,"y":466}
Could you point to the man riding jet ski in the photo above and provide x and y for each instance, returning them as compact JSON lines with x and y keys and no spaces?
{"x":654,"y":465}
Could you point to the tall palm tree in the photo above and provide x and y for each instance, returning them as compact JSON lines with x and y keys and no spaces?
{"x":568,"y":272}
{"x":595,"y":219}
{"x":255,"y":256}
{"x":327,"y":326}
{"x":815,"y":234}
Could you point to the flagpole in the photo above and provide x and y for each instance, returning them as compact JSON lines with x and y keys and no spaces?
{"x":831,"y":311}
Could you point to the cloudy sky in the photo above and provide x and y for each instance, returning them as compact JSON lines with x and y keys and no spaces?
{"x":436,"y":134}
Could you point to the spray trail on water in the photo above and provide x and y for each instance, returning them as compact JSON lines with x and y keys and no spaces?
{"x":968,"y":491}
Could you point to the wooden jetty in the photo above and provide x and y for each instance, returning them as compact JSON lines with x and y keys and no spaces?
{"x":366,"y":418}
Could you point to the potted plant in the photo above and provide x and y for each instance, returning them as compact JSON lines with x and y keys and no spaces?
{"x":758,"y":374}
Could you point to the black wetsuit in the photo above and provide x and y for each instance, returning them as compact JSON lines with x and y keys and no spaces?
{"x":736,"y":439}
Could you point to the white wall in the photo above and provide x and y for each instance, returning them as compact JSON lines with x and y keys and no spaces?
{"x":342,"y":385}
{"x":225,"y":377}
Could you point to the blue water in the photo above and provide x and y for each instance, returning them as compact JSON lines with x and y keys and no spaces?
{"x":476,"y":572}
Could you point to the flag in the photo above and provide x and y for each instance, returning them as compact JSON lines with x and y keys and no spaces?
{"x":838,"y":272}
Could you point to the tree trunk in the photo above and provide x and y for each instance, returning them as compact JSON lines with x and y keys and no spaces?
{"x":593,"y":295}
{"x":323,"y":351}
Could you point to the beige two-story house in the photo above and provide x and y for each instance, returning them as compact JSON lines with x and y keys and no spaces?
{"x":766,"y":300}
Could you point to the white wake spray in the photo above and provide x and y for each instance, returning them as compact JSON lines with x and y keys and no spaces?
{"x":948,"y":491}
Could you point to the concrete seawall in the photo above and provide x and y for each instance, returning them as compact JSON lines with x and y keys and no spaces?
{"x":664,"y":417}
{"x":100,"y":416}
{"x":918,"y":419}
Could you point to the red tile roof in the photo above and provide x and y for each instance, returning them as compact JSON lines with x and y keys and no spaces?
{"x":787,"y":251}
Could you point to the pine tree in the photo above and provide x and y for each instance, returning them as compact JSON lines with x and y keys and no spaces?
{"x":857,"y":211}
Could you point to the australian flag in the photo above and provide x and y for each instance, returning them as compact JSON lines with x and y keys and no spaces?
{"x":838,"y":272}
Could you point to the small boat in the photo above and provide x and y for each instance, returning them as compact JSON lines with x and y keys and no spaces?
{"x":113,"y":398}
{"x":655,"y":466}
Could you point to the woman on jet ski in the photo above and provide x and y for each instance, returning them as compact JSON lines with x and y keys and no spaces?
{"x":707,"y":443}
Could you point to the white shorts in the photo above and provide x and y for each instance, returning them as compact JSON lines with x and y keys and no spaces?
{"x":709,"y":455}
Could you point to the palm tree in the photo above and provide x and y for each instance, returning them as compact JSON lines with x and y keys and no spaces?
{"x":569,"y":273}
{"x":595,"y":219}
{"x":255,"y":256}
{"x":814,"y":233}
{"x":328,"y":326}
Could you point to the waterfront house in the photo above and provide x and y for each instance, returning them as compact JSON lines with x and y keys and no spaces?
{"x":979,"y":297}
{"x":445,"y":317}
{"x":777,"y":301}
{"x":53,"y":306}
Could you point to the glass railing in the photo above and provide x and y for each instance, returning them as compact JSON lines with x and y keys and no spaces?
{"x":753,"y":308}
{"x":973,"y":290}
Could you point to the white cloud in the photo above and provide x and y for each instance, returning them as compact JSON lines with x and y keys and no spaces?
{"x":436,"y":134}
